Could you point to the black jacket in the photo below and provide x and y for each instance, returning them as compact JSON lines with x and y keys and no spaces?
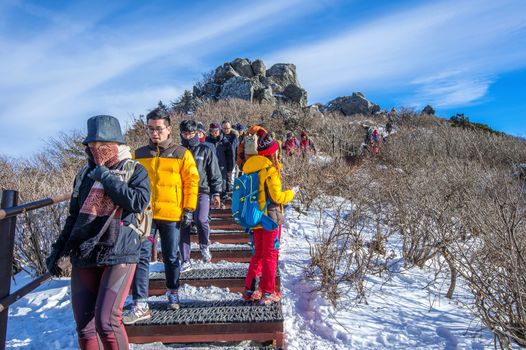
{"x":132,"y":197}
{"x":233,"y":139}
{"x":224,"y":151}
{"x":210,"y":179}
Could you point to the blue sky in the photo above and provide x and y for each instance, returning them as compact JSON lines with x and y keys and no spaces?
{"x":63,"y":61}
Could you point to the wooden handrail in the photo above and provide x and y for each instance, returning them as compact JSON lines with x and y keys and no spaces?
{"x":11,"y":298}
{"x":8,"y":214}
{"x":19,"y":209}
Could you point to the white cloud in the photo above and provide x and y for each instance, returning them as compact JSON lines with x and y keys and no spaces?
{"x":127,"y":103}
{"x":475,"y":39}
{"x":52,"y":80}
{"x":450,"y":92}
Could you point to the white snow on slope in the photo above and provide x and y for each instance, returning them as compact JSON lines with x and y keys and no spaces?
{"x":400,"y":314}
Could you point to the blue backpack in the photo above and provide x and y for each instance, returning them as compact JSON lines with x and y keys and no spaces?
{"x":245,"y":206}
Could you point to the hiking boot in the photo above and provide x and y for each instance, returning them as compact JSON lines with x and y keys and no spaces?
{"x":251,"y":295}
{"x":269,"y":298}
{"x":186,"y":266}
{"x":173,"y":301}
{"x":136,"y":313}
{"x":205,"y":254}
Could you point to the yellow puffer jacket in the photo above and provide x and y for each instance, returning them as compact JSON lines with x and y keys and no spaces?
{"x":174,"y":178}
{"x":268,"y":175}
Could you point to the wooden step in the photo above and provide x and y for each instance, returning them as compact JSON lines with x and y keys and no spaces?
{"x":226,"y":213}
{"x":233,"y":253}
{"x":232,"y":278}
{"x":220,"y":212}
{"x":222,"y":219}
{"x":224,"y":237}
{"x":210,"y":321}
{"x":224,"y":225}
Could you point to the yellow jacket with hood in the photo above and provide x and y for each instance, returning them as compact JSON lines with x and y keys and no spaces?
{"x":269,"y":176}
{"x":173,"y":177}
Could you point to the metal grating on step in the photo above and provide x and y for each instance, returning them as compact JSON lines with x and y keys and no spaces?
{"x":222,"y":248}
{"x":206,"y":312}
{"x":203,"y":274}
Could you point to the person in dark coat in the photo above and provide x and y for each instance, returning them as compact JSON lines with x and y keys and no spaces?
{"x":232,"y":135}
{"x":240,"y":150}
{"x":307,"y":146}
{"x":202,"y":137}
{"x":103,"y":248}
{"x":210,"y":187}
{"x":225,"y":155}
{"x":292,"y":144}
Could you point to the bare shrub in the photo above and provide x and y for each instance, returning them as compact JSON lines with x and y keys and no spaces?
{"x":7,"y":173}
{"x":39,"y":178}
{"x":236,"y":110}
{"x":352,"y":234}
{"x":46,"y":174}
{"x":494,"y":261}
{"x":136,"y":135}
{"x":339,"y":257}
{"x":452,"y":197}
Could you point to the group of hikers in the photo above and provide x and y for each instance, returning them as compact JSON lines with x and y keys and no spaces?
{"x":177,"y":181}
{"x":377,"y":135}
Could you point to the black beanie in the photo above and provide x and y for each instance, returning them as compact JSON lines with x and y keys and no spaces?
{"x":188,"y":125}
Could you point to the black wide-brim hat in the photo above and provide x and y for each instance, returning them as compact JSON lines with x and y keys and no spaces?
{"x":104,"y":128}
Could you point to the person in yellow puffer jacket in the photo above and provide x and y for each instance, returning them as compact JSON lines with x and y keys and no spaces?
{"x":264,"y":262}
{"x":174,"y":181}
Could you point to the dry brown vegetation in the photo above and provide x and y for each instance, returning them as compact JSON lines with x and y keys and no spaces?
{"x":450,"y":196}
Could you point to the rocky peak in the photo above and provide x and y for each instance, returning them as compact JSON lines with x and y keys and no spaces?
{"x":251,"y":81}
{"x":354,"y":104}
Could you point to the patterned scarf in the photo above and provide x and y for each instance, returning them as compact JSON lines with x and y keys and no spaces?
{"x":99,"y":219}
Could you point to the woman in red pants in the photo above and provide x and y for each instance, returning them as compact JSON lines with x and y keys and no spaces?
{"x":265,"y":260}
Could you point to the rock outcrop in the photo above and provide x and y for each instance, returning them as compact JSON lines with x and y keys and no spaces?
{"x":251,"y":81}
{"x":428,"y":110}
{"x":351,"y":105}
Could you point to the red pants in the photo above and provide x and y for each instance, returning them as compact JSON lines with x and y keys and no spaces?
{"x":265,"y":260}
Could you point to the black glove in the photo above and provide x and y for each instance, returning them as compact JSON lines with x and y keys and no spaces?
{"x":188,"y":217}
{"x":99,"y":173}
{"x":52,"y":259}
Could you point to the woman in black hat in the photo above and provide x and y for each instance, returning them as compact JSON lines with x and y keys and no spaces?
{"x":98,"y":236}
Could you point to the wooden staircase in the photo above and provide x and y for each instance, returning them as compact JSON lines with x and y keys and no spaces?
{"x":213,"y":321}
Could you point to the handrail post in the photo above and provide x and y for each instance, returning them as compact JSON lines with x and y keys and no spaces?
{"x":7,"y":237}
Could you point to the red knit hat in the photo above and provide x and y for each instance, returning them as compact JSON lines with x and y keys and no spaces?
{"x":266,"y":145}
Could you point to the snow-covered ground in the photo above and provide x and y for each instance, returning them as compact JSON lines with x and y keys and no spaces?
{"x":401,"y":312}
